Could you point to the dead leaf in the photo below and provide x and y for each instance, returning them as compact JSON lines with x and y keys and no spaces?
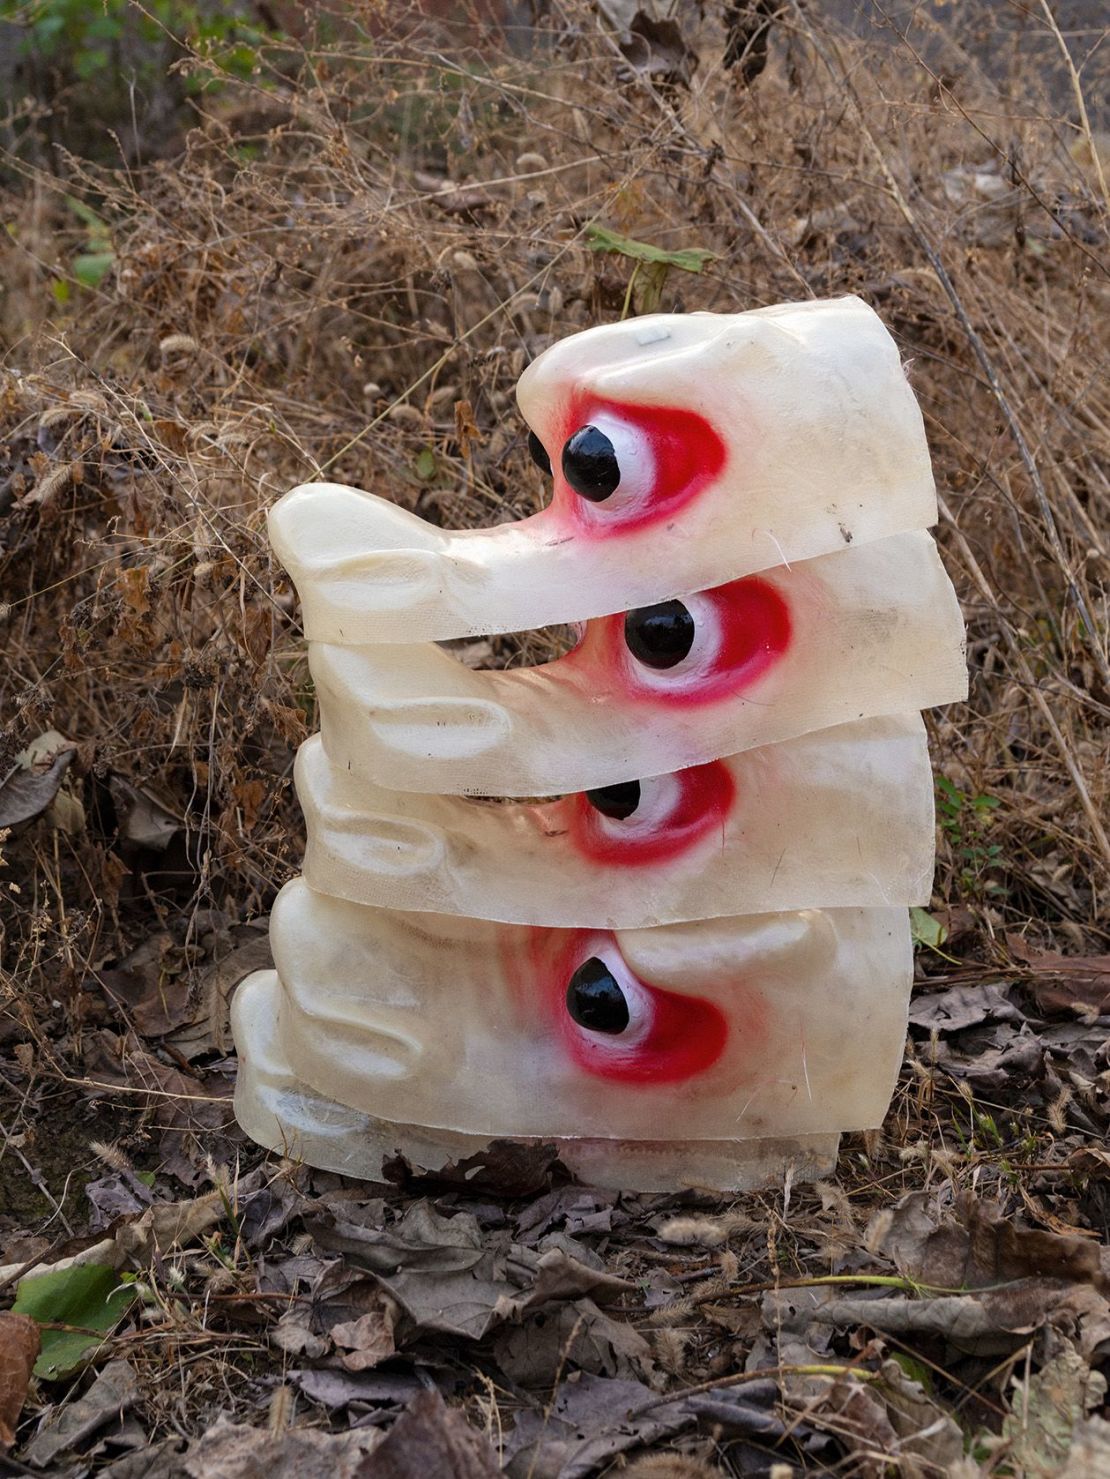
{"x":1062,"y":983}
{"x":119,"y":1195}
{"x":558,"y":1275}
{"x":29,"y":789}
{"x":1045,"y":1411}
{"x":963,"y":1006}
{"x":111,"y":1394}
{"x":504,"y":1168}
{"x":1090,"y":1450}
{"x":980,"y":1246}
{"x":335,"y":1389}
{"x":578,"y":1335}
{"x":575,"y":1208}
{"x":295,"y":1334}
{"x":924,"y":1430}
{"x":436,"y":1268}
{"x":367,"y":1340}
{"x":430,"y":1439}
{"x":142,"y":819}
{"x":658,"y":49}
{"x":591,"y":1420}
{"x":208,"y":1031}
{"x":20,"y":1342}
{"x":232,"y":1451}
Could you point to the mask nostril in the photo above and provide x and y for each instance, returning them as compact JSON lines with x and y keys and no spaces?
{"x":595,"y":1000}
{"x":538,"y":453}
{"x":617,"y":802}
{"x":660,"y":636}
{"x":590,"y":464}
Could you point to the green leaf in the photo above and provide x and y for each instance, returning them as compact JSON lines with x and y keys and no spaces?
{"x":87,"y":1296}
{"x":925,"y":930}
{"x":914,"y":1369}
{"x":689,"y":259}
{"x":426,"y":465}
{"x":60,"y":288}
{"x":88,"y":217}
{"x":90,"y":268}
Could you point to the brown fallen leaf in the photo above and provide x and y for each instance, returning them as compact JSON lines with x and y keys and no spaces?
{"x":28,"y":789}
{"x":233,"y":1451}
{"x":20,"y":1342}
{"x":504,"y":1168}
{"x":572,"y":1335}
{"x":431,"y":1439}
{"x":367,"y":1340}
{"x":111,"y":1394}
{"x":208,"y":1027}
{"x":1045,"y":1410}
{"x":560,"y":1276}
{"x":977,"y":1246}
{"x":1062,"y":983}
{"x":1051,"y":1221}
{"x":436,"y":1268}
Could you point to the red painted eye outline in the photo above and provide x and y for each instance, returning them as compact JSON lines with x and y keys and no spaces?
{"x":666,"y":457}
{"x":669,"y":1038}
{"x":673,"y":813}
{"x":741,"y":631}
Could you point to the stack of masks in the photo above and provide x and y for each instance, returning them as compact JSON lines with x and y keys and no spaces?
{"x":692,"y":966}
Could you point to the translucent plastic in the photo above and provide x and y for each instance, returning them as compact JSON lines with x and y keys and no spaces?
{"x":743,"y":442}
{"x":279,"y":1110}
{"x":734,"y":1028}
{"x":841,"y":817}
{"x":869,"y":631}
{"x":692,"y":965}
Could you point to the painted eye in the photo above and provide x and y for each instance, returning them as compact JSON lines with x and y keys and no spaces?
{"x":595,"y":1000}
{"x":651,"y":820}
{"x":707,"y":647}
{"x":590,"y":464}
{"x":627,"y":465}
{"x":617,"y":802}
{"x":618,"y":1027}
{"x":538,"y":453}
{"x":660,"y":636}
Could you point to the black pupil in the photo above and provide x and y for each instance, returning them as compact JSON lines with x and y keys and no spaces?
{"x":617,"y":801}
{"x":594,"y":999}
{"x":590,"y":464}
{"x":659,"y":636}
{"x":538,"y":453}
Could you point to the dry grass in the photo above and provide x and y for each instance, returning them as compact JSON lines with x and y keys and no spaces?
{"x":297,"y":293}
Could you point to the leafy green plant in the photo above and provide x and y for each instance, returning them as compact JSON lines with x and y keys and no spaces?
{"x":88,"y":37}
{"x":965,"y":821}
{"x":77,"y":1307}
{"x":654,"y":262}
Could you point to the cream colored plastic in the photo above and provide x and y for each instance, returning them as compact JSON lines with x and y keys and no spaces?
{"x":726,"y":966}
{"x":280,"y":1111}
{"x":837,"y":818}
{"x":823,"y":447}
{"x":461,"y":1024}
{"x":874,"y":630}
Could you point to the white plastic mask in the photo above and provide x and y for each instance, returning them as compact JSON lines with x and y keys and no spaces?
{"x":714,"y":947}
{"x":872,"y":630}
{"x":717,"y":1029}
{"x":840,"y":817}
{"x":736,"y":442}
